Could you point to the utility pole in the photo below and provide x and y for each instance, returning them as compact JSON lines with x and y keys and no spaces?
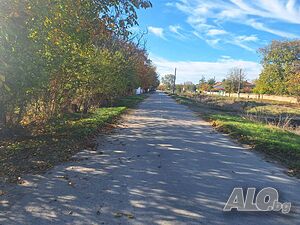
{"x":174,"y":84}
{"x":240,"y":80}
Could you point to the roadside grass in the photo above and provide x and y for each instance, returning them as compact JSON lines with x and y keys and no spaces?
{"x":60,"y":139}
{"x":276,"y":143}
{"x":276,"y":110}
{"x":129,"y":102}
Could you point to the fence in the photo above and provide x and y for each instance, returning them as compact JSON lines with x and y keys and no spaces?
{"x":258,"y":96}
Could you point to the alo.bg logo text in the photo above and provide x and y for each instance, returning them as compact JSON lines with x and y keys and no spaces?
{"x":266,"y":199}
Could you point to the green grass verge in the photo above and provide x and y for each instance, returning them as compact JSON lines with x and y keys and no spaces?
{"x":277,"y":143}
{"x":61,"y":138}
{"x":275,"y":110}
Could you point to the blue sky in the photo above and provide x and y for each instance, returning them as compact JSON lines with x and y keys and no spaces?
{"x":208,"y":37}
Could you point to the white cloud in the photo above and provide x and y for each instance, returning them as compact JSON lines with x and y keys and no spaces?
{"x":241,"y":44}
{"x":243,"y":40}
{"x":174,"y":28}
{"x":214,"y":32}
{"x":247,"y":38}
{"x":225,"y":57}
{"x":282,"y":10}
{"x":205,"y":16}
{"x":178,"y":31}
{"x":193,"y":70}
{"x":157,"y":31}
{"x":213,"y":42}
{"x":262,"y":27}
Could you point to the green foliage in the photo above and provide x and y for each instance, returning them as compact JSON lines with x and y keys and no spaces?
{"x":169,"y":81}
{"x":211,"y":82}
{"x":281,"y":69}
{"x":179,"y":88}
{"x":206,"y":85}
{"x":60,"y":55}
{"x":189,"y":86}
{"x":234,"y":81}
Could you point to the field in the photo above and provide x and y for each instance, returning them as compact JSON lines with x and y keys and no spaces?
{"x":249,"y":105}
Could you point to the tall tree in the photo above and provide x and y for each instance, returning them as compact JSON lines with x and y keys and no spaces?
{"x":169,"y":81}
{"x":55,"y":54}
{"x":280,"y":60}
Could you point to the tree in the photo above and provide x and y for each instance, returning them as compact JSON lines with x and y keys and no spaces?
{"x":202,"y":84}
{"x":234,"y":81}
{"x":179,"y":88}
{"x":169,"y":81}
{"x":280,"y":61}
{"x":211,"y":82}
{"x":55,"y":54}
{"x":189,"y":86}
{"x":293,"y":84}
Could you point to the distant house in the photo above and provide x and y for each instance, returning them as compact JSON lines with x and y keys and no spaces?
{"x":219,"y":87}
{"x":248,"y":87}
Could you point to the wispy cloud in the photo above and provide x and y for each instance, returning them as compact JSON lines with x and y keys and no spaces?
{"x":214,"y":32}
{"x":174,"y":28}
{"x":210,"y":40}
{"x":157,"y":31}
{"x":262,"y":27}
{"x":193,"y":70}
{"x":243,"y":41}
{"x":245,"y":38}
{"x":178,"y":31}
{"x":282,"y":10}
{"x":206,"y":17}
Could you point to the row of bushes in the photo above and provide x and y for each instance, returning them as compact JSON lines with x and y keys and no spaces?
{"x":65,"y":55}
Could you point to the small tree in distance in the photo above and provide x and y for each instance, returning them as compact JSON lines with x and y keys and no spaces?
{"x":234,"y":81}
{"x":169,"y":81}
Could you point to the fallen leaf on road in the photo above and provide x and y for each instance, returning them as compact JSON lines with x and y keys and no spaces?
{"x":129,"y":216}
{"x":71,"y":183}
{"x":65,"y":177}
{"x":20,"y":180}
{"x":120,"y":214}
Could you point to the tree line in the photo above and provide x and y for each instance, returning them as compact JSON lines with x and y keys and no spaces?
{"x":67,"y":56}
{"x":280,"y":74}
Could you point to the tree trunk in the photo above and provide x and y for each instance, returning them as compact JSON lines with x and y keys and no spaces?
{"x":3,"y":120}
{"x":85,"y":108}
{"x":20,"y":114}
